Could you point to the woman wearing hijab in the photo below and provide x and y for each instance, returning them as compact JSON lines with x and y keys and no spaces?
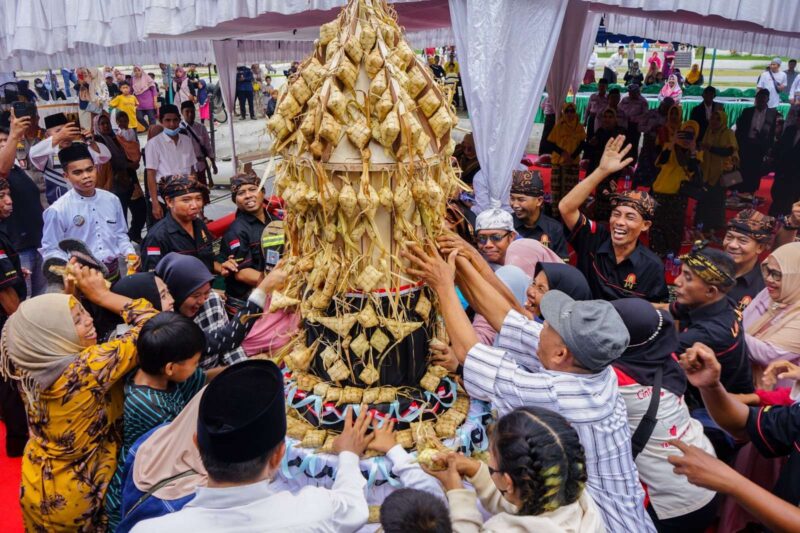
{"x":517,"y":281}
{"x":567,"y":138}
{"x":654,"y":61}
{"x":145,"y":285}
{"x":720,"y":155}
{"x":555,"y":276}
{"x":679,"y":161}
{"x":772,"y":320}
{"x":671,"y":89}
{"x":181,"y":90}
{"x":649,"y":362}
{"x":189,"y":283}
{"x":144,"y":89}
{"x":73,"y":402}
{"x":166,"y":452}
{"x":695,"y":76}
{"x":653,"y":76}
{"x":527,"y":253}
{"x":634,"y":75}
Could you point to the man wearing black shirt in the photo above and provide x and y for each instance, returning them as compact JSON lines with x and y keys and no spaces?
{"x":706,"y":315}
{"x":748,"y":236}
{"x":242,"y":241}
{"x":773,"y":430}
{"x":181,"y":230}
{"x":436,"y":68}
{"x":24,"y":225}
{"x":527,"y":198}
{"x":615,"y":263}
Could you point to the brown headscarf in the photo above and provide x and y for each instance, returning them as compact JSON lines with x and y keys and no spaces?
{"x":39,"y":342}
{"x":170,"y":451}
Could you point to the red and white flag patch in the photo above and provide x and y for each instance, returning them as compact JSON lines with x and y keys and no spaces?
{"x":153,"y":250}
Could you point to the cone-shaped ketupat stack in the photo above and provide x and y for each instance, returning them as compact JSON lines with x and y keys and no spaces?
{"x":364,"y":133}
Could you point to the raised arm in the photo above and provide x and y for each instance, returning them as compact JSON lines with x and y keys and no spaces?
{"x":613,"y":160}
{"x":9,"y":152}
{"x":439,"y":275}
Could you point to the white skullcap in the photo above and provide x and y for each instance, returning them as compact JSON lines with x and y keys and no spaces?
{"x":776,"y":60}
{"x":494,"y":218}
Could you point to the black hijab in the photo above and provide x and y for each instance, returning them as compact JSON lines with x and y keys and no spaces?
{"x":140,"y":285}
{"x":654,"y":340}
{"x":183,"y":275}
{"x":565,"y":278}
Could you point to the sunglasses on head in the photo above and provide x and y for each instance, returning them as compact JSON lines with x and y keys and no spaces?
{"x":494,"y":237}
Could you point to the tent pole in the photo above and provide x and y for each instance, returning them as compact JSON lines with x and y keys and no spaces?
{"x":211,"y":113}
{"x":703,"y":60}
{"x":713,"y":60}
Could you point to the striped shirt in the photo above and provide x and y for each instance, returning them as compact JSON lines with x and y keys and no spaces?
{"x":512,"y":376}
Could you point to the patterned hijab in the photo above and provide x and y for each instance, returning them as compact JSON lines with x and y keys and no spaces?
{"x":39,"y":342}
{"x":780,"y":324}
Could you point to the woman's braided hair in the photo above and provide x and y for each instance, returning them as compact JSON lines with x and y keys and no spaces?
{"x":541,"y":453}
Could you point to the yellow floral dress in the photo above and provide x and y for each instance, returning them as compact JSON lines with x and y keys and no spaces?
{"x":75,"y":434}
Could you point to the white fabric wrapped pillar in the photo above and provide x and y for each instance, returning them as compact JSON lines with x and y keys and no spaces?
{"x":504,"y":48}
{"x":567,"y":56}
{"x":226,"y":55}
{"x":590,"y":27}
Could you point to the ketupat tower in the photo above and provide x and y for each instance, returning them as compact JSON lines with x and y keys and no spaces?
{"x":364,"y":133}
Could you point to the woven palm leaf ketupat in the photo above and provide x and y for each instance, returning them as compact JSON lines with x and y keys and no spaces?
{"x":364,"y":134}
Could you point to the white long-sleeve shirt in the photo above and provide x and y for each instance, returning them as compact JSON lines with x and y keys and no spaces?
{"x":512,"y":376}
{"x":615,"y":61}
{"x":43,"y":158}
{"x":259,"y":507}
{"x":96,"y":220}
{"x":410,"y":473}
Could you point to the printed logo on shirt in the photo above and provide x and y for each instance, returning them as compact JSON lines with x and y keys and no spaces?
{"x":630,"y":281}
{"x":153,"y":250}
{"x":735,"y":329}
{"x":545,"y":240}
{"x":743,"y":303}
{"x":234,"y":244}
{"x":78,"y":220}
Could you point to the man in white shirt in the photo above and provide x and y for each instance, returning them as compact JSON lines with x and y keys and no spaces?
{"x":85,"y":213}
{"x":563,"y":365}
{"x":613,"y":63}
{"x":240,"y":435}
{"x":774,"y":81}
{"x":201,"y":141}
{"x":168,"y":154}
{"x":43,"y":155}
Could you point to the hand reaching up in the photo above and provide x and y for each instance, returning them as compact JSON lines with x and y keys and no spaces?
{"x":614,"y":159}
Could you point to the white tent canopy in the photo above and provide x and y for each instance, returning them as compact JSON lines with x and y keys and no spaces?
{"x":53,"y":33}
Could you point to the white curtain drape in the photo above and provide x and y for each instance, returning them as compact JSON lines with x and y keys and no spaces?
{"x":225,"y":55}
{"x":590,"y":27}
{"x":569,"y":58}
{"x":504,"y":48}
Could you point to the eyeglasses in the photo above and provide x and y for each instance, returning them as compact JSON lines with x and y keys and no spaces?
{"x":768,"y":272}
{"x":494,"y":237}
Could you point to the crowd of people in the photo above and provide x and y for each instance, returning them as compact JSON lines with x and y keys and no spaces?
{"x":621,"y":402}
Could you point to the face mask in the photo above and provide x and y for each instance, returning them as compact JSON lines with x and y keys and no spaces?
{"x":172,"y":133}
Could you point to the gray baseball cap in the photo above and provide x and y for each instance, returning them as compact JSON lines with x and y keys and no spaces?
{"x":592,"y":330}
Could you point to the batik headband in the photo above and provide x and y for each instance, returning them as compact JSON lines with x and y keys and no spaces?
{"x":753,"y":223}
{"x":178,"y":185}
{"x":642,"y":202}
{"x":706,"y":269}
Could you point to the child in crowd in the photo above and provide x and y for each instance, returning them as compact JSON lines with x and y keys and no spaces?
{"x":534,"y":480}
{"x":168,"y":350}
{"x":127,"y":103}
{"x":414,"y":510}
